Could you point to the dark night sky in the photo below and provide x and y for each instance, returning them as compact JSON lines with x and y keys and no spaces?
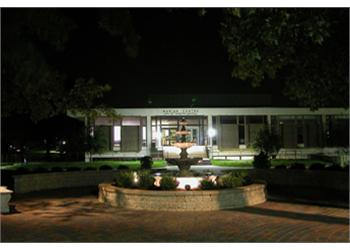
{"x":179,"y":52}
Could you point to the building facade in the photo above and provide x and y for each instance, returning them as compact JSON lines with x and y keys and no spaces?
{"x":223,"y":133}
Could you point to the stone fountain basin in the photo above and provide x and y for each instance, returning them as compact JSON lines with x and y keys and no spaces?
{"x":199,"y":200}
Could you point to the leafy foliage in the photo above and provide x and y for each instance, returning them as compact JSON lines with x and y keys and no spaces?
{"x":146,"y":162}
{"x":267,"y":141}
{"x":261,"y":161}
{"x":118,"y":22}
{"x":168,"y":182}
{"x":124,"y":179}
{"x":297,"y":166}
{"x":207,"y":185}
{"x":98,"y":143}
{"x":317,"y":166}
{"x":306,"y":49}
{"x":146,"y":180}
{"x":31,"y":82}
{"x":232,"y":179}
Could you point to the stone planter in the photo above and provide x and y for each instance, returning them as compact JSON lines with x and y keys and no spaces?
{"x":200,"y":200}
{"x":5,"y":198}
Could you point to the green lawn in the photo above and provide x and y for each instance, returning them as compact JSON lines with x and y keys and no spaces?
{"x":95,"y":164}
{"x":275,"y":162}
{"x":135,"y":164}
{"x":232,"y":163}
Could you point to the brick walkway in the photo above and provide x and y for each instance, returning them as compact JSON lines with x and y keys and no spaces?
{"x":61,"y":217}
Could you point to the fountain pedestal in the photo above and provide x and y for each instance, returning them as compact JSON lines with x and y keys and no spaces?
{"x":184,"y":163}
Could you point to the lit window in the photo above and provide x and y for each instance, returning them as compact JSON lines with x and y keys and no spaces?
{"x":144,"y":133}
{"x":117,"y":133}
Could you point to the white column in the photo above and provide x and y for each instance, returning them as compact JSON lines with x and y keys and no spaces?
{"x":87,"y":154}
{"x":210,"y":139}
{"x":324,"y":130}
{"x":269,"y":122}
{"x":149,"y":135}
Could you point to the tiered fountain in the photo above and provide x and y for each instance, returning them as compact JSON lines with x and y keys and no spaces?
{"x":184,"y":163}
{"x":195,"y":199}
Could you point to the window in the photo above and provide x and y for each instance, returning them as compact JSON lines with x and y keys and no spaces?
{"x":131,"y":121}
{"x":144,"y":136}
{"x":116,"y":137}
{"x":116,"y":133}
{"x":228,"y":120}
{"x":254,"y":119}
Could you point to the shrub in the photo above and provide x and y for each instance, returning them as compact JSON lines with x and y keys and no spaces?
{"x":317,"y":166}
{"x":89,"y":169}
{"x":73,"y":169}
{"x":123,"y":167}
{"x":124,"y":179}
{"x":267,"y":141}
{"x":334,"y":167}
{"x":168,"y":183}
{"x":146,"y":180}
{"x":56,"y":169}
{"x":231,"y":180}
{"x":22,"y":170}
{"x":40,"y":170}
{"x":146,"y":162}
{"x":261,"y":161}
{"x":105,"y":167}
{"x":297,"y":166}
{"x":207,"y":185}
{"x":282,"y":166}
{"x":98,"y":143}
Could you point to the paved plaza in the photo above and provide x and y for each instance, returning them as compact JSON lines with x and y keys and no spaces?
{"x":76,"y":216}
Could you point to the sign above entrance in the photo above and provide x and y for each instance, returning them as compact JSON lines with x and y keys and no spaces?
{"x":180,"y":111}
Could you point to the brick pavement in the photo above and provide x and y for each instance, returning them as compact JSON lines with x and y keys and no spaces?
{"x":61,"y":217}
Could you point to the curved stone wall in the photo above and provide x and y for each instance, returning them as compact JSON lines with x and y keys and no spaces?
{"x":207,"y":200}
{"x":45,"y":181}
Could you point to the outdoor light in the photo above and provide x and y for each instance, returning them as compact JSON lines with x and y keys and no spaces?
{"x":211,"y":132}
{"x":63,"y":142}
{"x":136,"y":179}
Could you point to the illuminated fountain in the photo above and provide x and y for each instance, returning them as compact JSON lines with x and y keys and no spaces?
{"x":206,"y":199}
{"x":184,"y":163}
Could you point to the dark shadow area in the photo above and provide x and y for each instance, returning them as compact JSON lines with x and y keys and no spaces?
{"x":294,"y":215}
{"x":307,"y":195}
{"x":7,"y":178}
{"x":60,"y":193}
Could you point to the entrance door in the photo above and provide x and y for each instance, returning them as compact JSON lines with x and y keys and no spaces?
{"x":130,"y":139}
{"x":229,"y":136}
{"x":168,"y":136}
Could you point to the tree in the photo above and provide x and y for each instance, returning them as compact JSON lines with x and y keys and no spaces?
{"x":267,"y":142}
{"x":86,"y":106}
{"x":305,"y":49}
{"x":31,"y":83}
